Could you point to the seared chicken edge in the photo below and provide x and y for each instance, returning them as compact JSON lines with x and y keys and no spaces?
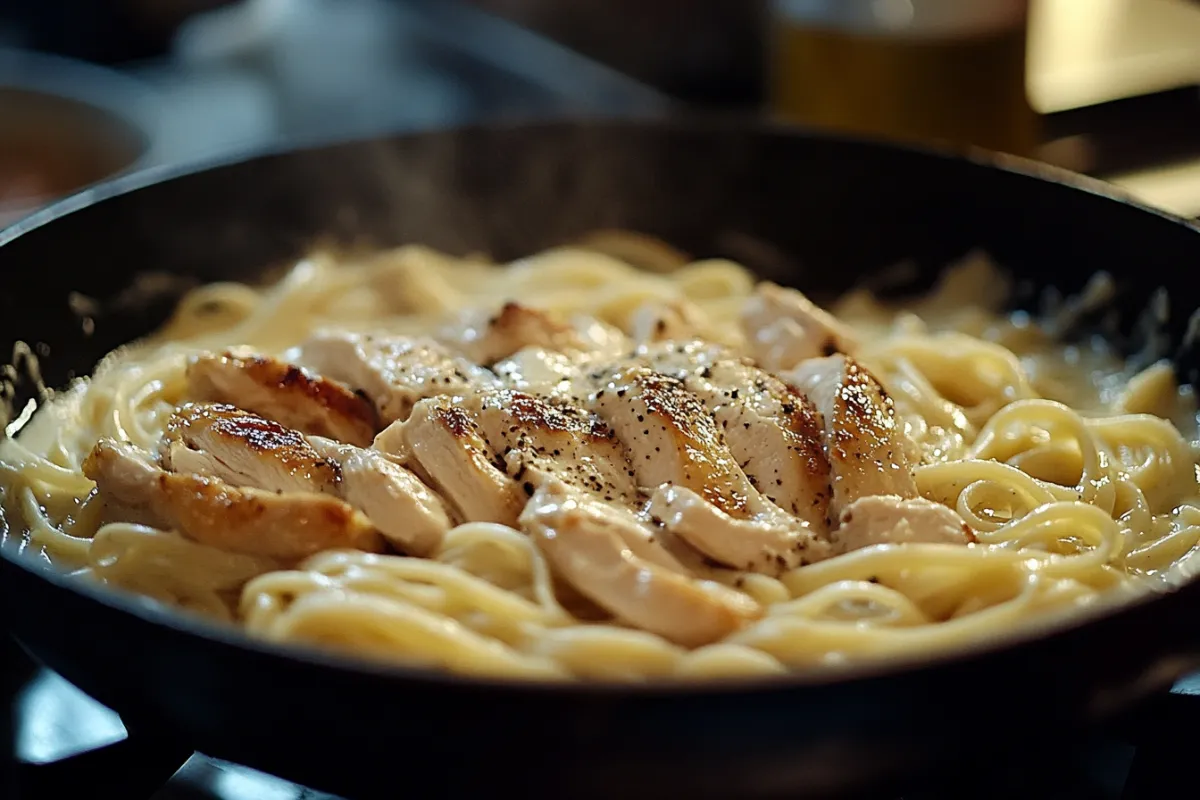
{"x":285,"y":393}
{"x":288,"y":526}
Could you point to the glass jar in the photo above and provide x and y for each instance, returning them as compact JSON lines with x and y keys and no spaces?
{"x":950,"y":71}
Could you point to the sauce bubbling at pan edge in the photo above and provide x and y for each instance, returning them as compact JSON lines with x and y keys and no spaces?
{"x":572,"y":467}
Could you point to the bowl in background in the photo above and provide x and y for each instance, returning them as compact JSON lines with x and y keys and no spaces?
{"x":65,"y":125}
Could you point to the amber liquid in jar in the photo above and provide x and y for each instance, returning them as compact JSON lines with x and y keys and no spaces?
{"x":963,"y":86}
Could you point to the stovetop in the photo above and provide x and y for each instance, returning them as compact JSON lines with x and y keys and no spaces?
{"x":66,"y":746}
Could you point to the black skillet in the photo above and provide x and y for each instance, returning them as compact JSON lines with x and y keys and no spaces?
{"x":821,"y":213}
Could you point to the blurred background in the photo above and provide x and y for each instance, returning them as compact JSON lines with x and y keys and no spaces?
{"x":89,"y":88}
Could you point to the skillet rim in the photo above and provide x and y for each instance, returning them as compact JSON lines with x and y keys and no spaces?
{"x":147,"y":610}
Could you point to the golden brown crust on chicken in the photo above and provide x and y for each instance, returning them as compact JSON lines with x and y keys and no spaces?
{"x":700,"y":492}
{"x":287,"y":526}
{"x":708,"y":469}
{"x":773,"y":431}
{"x":864,"y":441}
{"x":284,"y":392}
{"x":245,"y":449}
{"x":802,"y":424}
{"x":865,"y":414}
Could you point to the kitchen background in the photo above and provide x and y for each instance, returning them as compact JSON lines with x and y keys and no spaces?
{"x":1114,"y":80}
{"x":1113,"y":84}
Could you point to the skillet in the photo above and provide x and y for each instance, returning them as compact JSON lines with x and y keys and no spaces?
{"x":819,"y":212}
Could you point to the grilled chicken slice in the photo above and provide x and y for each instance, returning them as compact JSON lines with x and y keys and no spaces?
{"x":701,"y":494}
{"x":408,"y":513}
{"x":246,"y":450}
{"x":884,"y":519}
{"x":589,"y":547}
{"x":285,"y":393}
{"x":864,"y":442}
{"x":785,"y":328}
{"x":537,"y":438}
{"x":766,"y":539}
{"x":288,"y":526}
{"x":524,"y":440}
{"x":773,"y":431}
{"x":486,"y":337}
{"x":393,"y":371}
{"x":443,"y":443}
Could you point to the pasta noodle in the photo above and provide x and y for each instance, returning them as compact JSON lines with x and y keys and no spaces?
{"x":1076,"y":493}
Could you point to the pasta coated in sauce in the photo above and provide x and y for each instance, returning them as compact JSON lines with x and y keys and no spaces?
{"x":1073,"y":486}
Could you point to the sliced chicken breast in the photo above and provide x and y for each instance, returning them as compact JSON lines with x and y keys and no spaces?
{"x":410,"y":515}
{"x":784,"y":328}
{"x":489,"y":451}
{"x":244,"y":449}
{"x":393,"y":371}
{"x":701,"y":494}
{"x":285,"y":393}
{"x":772,"y":542}
{"x":589,"y":549}
{"x":773,"y":431}
{"x":537,"y":438}
{"x":248,"y":451}
{"x":867,"y":450}
{"x":288,"y":526}
{"x":486,"y":337}
{"x":887,"y":519}
{"x":444,"y":444}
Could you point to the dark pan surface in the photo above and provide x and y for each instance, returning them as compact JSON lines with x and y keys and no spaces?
{"x":815,"y":212}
